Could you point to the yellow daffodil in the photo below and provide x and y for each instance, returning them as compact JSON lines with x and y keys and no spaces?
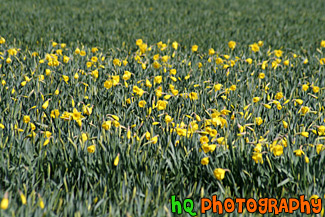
{"x":4,"y":202}
{"x":91,"y":149}
{"x":205,"y":161}
{"x":219,"y":173}
{"x":117,"y":159}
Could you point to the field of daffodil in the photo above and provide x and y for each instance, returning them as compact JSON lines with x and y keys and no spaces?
{"x":116,"y":129}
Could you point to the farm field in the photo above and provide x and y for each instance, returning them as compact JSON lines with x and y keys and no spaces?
{"x":110,"y":108}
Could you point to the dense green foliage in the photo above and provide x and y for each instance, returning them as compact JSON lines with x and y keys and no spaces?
{"x":107,"y":24}
{"x":73,"y":181}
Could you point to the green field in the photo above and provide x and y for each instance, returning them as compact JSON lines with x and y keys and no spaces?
{"x":108,"y":108}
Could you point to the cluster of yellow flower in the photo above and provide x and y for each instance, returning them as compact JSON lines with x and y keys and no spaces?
{"x":162,"y":82}
{"x":5,"y":201}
